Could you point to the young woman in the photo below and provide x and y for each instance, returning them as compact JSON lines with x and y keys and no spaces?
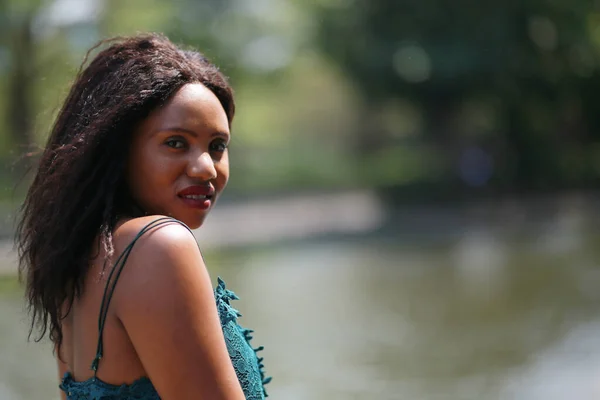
{"x":138,"y":154}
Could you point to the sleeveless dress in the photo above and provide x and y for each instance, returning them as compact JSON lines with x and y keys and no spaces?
{"x":248,"y":366}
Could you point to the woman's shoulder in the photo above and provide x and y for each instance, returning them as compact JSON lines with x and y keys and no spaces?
{"x":166,"y":247}
{"x":158,"y":228}
{"x":156,"y":234}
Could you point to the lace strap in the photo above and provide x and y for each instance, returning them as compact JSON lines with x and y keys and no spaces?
{"x":111,"y":284}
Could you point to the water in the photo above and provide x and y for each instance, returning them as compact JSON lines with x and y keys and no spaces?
{"x":485,"y":310}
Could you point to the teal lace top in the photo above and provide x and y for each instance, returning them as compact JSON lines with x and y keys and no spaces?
{"x":248,"y":366}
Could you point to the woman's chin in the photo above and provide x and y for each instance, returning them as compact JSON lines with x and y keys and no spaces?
{"x":194,"y":226}
{"x":193,"y":221}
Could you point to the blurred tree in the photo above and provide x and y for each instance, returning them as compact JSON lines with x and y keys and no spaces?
{"x":17,"y":33}
{"x":532,"y":65}
{"x":442,"y":94}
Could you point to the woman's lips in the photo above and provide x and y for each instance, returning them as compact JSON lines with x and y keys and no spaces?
{"x":197,"y":201}
{"x":196,"y":196}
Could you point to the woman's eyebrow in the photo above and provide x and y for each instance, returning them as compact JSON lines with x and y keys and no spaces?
{"x":191,"y":132}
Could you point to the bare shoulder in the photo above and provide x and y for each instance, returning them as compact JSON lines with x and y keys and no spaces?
{"x":161,"y":260}
{"x":162,"y":232}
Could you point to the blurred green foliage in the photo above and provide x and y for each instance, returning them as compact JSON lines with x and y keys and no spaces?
{"x":431,"y":97}
{"x":502,"y":86}
{"x":9,"y":285}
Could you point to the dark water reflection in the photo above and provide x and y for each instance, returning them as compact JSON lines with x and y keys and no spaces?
{"x":484,"y":313}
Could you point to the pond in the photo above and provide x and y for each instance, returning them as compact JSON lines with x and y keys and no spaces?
{"x":482,"y":310}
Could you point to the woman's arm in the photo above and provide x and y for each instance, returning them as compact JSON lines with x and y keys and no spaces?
{"x":165,"y":301}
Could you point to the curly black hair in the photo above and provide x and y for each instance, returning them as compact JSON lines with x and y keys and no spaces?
{"x":79,"y":190}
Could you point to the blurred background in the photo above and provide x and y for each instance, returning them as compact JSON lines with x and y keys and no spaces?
{"x":413,"y":209}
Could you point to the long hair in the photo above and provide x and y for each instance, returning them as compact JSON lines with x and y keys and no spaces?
{"x":79,"y":190}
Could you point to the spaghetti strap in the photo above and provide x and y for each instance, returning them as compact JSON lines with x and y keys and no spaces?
{"x":111,"y":284}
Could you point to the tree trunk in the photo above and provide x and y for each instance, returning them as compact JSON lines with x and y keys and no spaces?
{"x":20,"y":104}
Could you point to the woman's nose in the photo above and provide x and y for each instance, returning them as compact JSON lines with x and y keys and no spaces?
{"x":202,"y":167}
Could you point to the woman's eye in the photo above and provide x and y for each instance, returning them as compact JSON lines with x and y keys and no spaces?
{"x":176,"y":143}
{"x":218,"y":146}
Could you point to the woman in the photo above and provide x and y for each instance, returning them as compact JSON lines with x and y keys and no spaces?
{"x":138,"y":154}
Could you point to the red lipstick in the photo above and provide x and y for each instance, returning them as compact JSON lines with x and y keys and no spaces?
{"x":199,"y":197}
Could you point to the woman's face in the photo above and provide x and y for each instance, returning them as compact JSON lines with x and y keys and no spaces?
{"x":178,"y":162}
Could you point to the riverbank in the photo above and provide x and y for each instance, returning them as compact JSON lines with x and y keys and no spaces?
{"x":267,"y":221}
{"x":274,"y":220}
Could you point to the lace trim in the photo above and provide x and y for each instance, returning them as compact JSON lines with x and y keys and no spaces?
{"x":228,"y":314}
{"x":96,"y":389}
